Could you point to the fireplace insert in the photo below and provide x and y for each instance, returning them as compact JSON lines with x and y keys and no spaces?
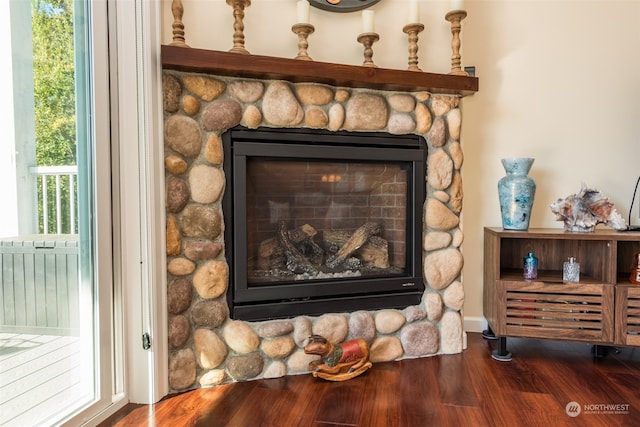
{"x":319,"y":222}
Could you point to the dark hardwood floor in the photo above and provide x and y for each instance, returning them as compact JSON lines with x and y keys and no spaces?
{"x":467,"y":389}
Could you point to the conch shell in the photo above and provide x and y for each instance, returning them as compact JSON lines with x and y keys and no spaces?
{"x":583,"y":211}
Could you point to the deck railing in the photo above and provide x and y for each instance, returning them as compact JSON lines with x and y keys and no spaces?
{"x":56,"y":191}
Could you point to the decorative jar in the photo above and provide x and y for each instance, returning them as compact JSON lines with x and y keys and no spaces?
{"x":571,"y":271}
{"x":516,"y":191}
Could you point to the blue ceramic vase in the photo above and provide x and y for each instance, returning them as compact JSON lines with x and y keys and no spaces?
{"x":516,"y":191}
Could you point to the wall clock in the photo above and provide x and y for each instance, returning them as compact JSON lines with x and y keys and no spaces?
{"x":342,"y":5}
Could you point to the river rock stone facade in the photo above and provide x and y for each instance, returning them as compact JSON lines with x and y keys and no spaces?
{"x":207,"y":347}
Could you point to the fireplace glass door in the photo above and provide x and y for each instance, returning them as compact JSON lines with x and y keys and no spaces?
{"x":319,"y":225}
{"x":310,"y":220}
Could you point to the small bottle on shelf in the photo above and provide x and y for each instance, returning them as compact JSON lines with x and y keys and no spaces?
{"x":530,"y":267}
{"x":634,"y":277}
{"x":571,"y":271}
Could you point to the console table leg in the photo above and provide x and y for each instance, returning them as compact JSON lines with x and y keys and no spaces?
{"x":488,"y":334}
{"x":600,"y":350}
{"x":502,"y":354}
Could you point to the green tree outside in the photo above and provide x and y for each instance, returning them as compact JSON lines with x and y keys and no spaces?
{"x":54,"y":95}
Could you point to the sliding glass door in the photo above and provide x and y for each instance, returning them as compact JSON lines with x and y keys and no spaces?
{"x":56,"y":311}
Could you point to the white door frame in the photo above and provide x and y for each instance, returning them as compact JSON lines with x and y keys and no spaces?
{"x":141,"y":190}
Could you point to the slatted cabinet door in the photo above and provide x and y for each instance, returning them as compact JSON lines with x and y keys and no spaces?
{"x":582,"y":312}
{"x":628,"y":315}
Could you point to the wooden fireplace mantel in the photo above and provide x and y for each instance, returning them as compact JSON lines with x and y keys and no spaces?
{"x":297,"y":71}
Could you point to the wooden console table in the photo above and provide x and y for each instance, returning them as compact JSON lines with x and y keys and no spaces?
{"x":602,"y":309}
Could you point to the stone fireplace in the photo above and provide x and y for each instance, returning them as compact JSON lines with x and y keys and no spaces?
{"x":207,"y":346}
{"x":319,"y":221}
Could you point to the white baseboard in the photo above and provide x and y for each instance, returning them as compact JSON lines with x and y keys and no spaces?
{"x":475,"y":323}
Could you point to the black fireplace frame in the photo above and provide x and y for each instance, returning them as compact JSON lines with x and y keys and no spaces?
{"x":290,"y":299}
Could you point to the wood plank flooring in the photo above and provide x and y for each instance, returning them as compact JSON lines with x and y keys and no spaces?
{"x":40,"y":376}
{"x":467,"y":389}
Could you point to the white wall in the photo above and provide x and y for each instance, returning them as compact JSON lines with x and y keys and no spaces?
{"x":559,"y":81}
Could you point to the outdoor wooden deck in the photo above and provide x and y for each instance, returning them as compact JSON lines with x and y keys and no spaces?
{"x":39,"y":376}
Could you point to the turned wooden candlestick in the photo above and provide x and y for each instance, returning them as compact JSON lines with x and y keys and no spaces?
{"x":367,"y":40}
{"x":178,"y":27}
{"x":412,"y":31}
{"x":238,"y":25}
{"x":456,"y":17}
{"x":303,"y":30}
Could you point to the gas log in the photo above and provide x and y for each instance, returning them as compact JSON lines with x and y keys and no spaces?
{"x":373,"y":253}
{"x":271,"y":251}
{"x":296,"y":261}
{"x":355,"y":242}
